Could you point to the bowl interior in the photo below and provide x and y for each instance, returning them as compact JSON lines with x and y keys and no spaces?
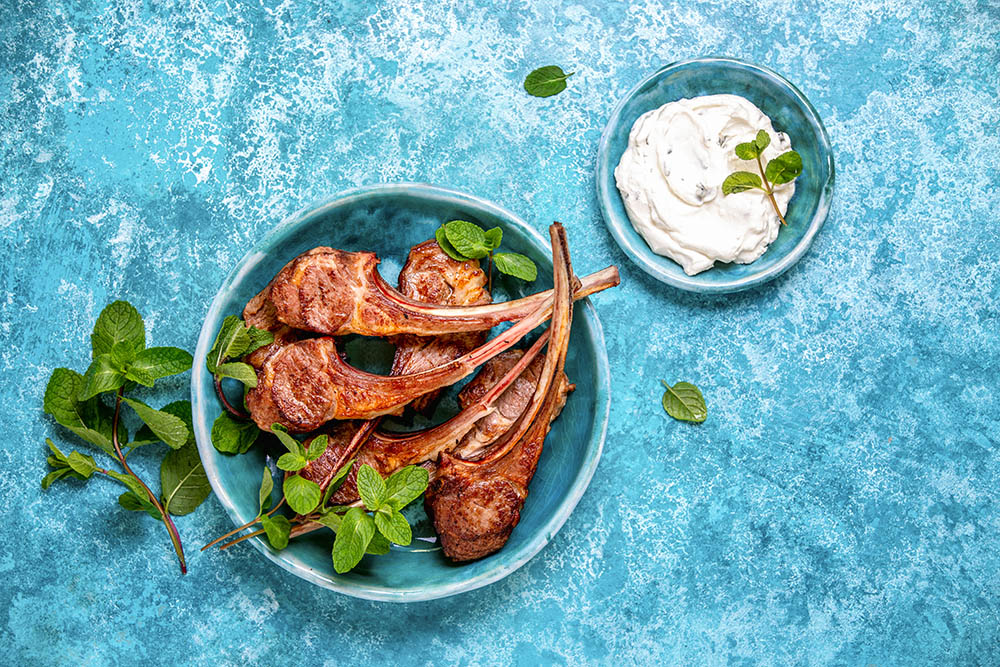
{"x":389,"y":220}
{"x":790,"y":112}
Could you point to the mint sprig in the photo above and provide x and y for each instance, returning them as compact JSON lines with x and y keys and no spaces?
{"x":77,"y":403}
{"x":784,"y":168}
{"x":234,"y":341}
{"x":463,"y":241}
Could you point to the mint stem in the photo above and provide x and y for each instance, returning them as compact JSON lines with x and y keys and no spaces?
{"x":770,"y":191}
{"x":239,"y":414}
{"x":175,"y":537}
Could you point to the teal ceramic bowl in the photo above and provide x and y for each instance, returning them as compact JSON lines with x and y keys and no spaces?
{"x":389,"y":219}
{"x":789,"y":111}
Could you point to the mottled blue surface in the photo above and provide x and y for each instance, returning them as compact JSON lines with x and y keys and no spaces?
{"x":838,"y":506}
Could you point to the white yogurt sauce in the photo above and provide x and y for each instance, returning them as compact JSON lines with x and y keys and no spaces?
{"x":670,"y":178}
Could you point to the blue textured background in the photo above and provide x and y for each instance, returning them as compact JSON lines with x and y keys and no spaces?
{"x":839,"y":505}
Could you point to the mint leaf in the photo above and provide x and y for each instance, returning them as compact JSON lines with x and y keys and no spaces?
{"x":81,"y":464}
{"x":747,"y":151}
{"x":258,"y":339}
{"x":136,"y":503}
{"x":761,"y":141}
{"x":371,"y":487}
{"x":230,"y":436}
{"x":317,"y":447}
{"x":54,"y":476}
{"x":494,"y":237}
{"x":356,"y":532}
{"x":179,"y":409}
{"x":102,"y":375}
{"x":684,"y":402}
{"x":118,"y":322}
{"x":331,"y":520}
{"x":405,"y":485}
{"x":292,"y":462}
{"x":277,"y":528}
{"x":89,"y":420}
{"x":739,"y":181}
{"x":167,"y":427}
{"x":515,"y":264}
{"x":266,"y":486}
{"x":301,"y":494}
{"x":784,"y":168}
{"x":379,"y":545}
{"x":154,"y":363}
{"x":183,"y":481}
{"x":447,"y":247}
{"x":546,"y":81}
{"x":232,"y":341}
{"x":467,"y":238}
{"x":393,"y":525}
{"x":122,"y":355}
{"x":238,"y":370}
{"x":337,"y":481}
{"x":290,"y":443}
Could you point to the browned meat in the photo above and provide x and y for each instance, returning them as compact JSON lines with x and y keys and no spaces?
{"x":509,"y":406}
{"x":260,"y":312}
{"x":336,"y":292}
{"x":475,"y":505}
{"x":344,"y":437}
{"x":430,"y":276}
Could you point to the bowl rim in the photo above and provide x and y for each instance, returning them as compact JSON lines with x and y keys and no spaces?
{"x":691,"y":283}
{"x":200,"y":401}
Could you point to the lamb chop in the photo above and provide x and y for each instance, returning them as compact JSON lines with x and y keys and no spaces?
{"x":431,"y":276}
{"x":306,"y":384}
{"x":475,"y":505}
{"x":336,"y":292}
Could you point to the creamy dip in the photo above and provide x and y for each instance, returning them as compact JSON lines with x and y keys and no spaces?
{"x":670,"y":178}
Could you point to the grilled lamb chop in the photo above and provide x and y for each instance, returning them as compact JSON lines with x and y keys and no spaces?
{"x":335,"y":292}
{"x":431,"y":276}
{"x":306,"y":384}
{"x":475,"y":505}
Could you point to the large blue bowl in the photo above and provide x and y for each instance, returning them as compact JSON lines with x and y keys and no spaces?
{"x":789,"y":111}
{"x":389,"y":219}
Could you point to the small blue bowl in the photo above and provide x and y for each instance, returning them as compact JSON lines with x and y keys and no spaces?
{"x":389,"y":219}
{"x":789,"y":111}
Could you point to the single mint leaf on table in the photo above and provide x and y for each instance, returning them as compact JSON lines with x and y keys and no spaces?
{"x":230,"y":436}
{"x":515,"y":264}
{"x":546,"y":81}
{"x":238,"y":370}
{"x":89,"y":419}
{"x":467,"y":238}
{"x":447,"y":247}
{"x":301,"y":494}
{"x":684,"y":402}
{"x":740,"y":181}
{"x":154,"y":363}
{"x":232,"y":341}
{"x":169,"y":428}
{"x":371,"y":487}
{"x":405,"y":485}
{"x":277,"y":529}
{"x":102,"y":375}
{"x":357,"y":529}
{"x":118,"y":322}
{"x":183,"y":481}
{"x":494,"y":237}
{"x":394,"y":526}
{"x":784,"y":168}
{"x":266,"y":486}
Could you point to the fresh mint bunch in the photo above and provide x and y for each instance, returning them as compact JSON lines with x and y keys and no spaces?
{"x":785,"y":168}
{"x":462,"y":241}
{"x":120,"y":361}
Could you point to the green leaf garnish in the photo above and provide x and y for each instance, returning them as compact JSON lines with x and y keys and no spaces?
{"x":493,"y":237}
{"x":405,"y":485}
{"x":393,"y":525}
{"x":154,"y":363}
{"x":467,"y":238}
{"x":355,"y":533}
{"x":739,"y":181}
{"x":516,"y":264}
{"x":684,"y":402}
{"x":183,"y":481}
{"x":231,"y":436}
{"x":103,"y":375}
{"x":88,"y":419}
{"x":546,"y":81}
{"x":447,"y":247}
{"x":238,"y":370}
{"x":782,"y":169}
{"x":118,"y":322}
{"x":301,"y":494}
{"x":266,"y":486}
{"x":169,"y":428}
{"x":371,"y":487}
{"x":277,"y":529}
